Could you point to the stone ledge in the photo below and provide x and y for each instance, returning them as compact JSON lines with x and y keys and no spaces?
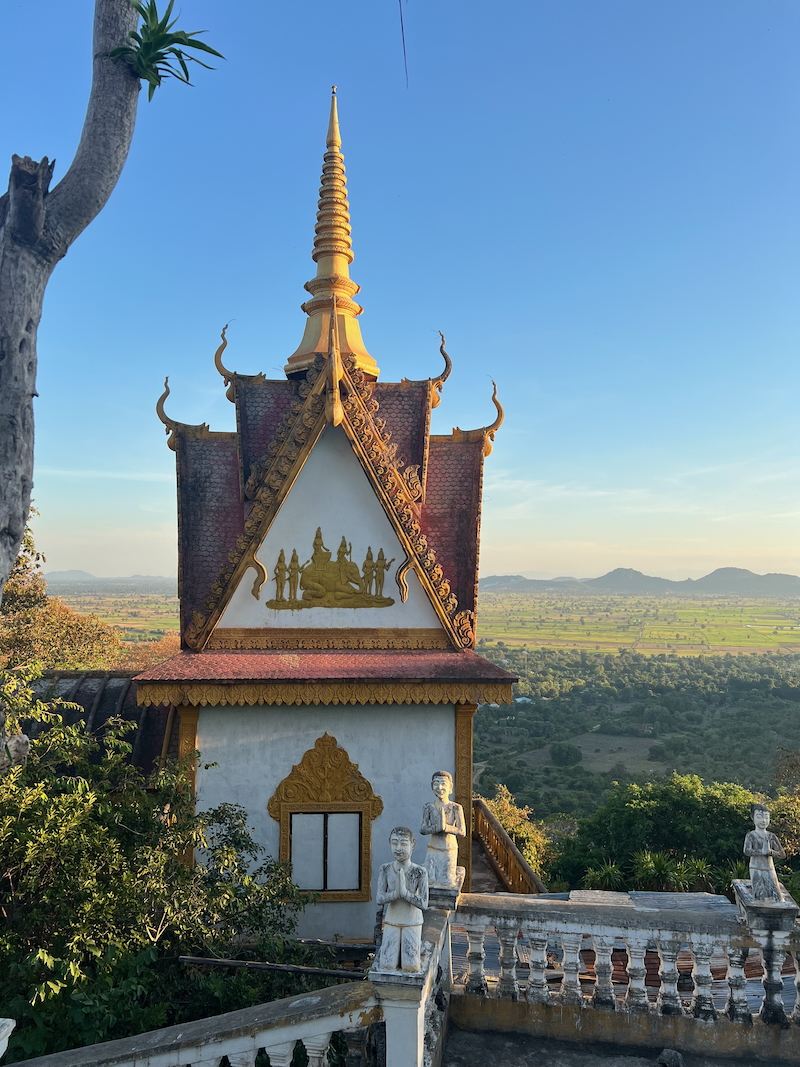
{"x":354,"y":1004}
{"x":722,"y":1038}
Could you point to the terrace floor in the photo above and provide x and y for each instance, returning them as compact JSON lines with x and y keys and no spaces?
{"x":465,"y":1049}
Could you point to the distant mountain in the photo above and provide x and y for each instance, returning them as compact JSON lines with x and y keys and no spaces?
{"x":516,"y":583}
{"x":84,"y":576}
{"x":69,"y":576}
{"x":80,"y":583}
{"x":725,"y":581}
{"x":626,"y":580}
{"x":745,"y":583}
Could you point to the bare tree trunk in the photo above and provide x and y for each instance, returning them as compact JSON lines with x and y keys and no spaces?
{"x":36,"y":229}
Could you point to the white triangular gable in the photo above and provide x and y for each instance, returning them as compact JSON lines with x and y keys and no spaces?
{"x":332,"y":493}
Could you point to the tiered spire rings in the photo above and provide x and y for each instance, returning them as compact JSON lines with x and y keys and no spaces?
{"x":333,"y":254}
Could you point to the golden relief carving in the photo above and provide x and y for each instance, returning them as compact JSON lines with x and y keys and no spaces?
{"x":322,"y":582}
{"x":342,"y":637}
{"x":326,"y":780}
{"x":325,"y":774}
{"x":252,"y":694}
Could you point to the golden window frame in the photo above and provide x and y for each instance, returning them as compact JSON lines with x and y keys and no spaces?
{"x":327,"y":782}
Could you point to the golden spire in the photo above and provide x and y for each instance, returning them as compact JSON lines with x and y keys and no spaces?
{"x":333,"y":254}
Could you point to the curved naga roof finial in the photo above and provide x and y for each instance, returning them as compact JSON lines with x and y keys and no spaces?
{"x":435,"y":384}
{"x":485,"y":433}
{"x":227,"y":375}
{"x":169,"y":423}
{"x":438,"y":382}
{"x":490,"y":431}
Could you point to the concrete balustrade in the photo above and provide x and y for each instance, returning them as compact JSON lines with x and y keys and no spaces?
{"x":563,"y":994}
{"x":639,"y":969}
{"x":311,"y":1019}
{"x":584,"y":922}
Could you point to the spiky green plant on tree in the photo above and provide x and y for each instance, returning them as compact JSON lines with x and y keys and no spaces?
{"x":158,"y":46}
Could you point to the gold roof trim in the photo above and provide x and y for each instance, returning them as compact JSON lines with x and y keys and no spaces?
{"x":251,"y":694}
{"x":397,"y":491}
{"x":324,"y":775}
{"x":184,"y":429}
{"x":435,"y":384}
{"x":232,"y":638}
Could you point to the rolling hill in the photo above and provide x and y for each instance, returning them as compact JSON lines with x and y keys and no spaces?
{"x":724,"y":581}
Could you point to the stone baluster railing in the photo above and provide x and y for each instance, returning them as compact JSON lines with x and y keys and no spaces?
{"x":669,"y":1003}
{"x":636,"y":1001}
{"x":311,"y":1019}
{"x":710,"y":935}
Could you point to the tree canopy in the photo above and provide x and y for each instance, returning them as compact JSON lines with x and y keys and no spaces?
{"x":38,"y":225}
{"x":98,"y":900}
{"x":35,"y":628}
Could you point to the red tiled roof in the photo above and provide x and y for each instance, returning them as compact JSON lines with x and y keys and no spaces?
{"x":451,"y":515}
{"x":405,"y":409}
{"x":312,"y":665}
{"x":210,"y":514}
{"x":212,"y":470}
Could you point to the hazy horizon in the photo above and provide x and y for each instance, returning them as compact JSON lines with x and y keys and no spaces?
{"x":541,"y":575}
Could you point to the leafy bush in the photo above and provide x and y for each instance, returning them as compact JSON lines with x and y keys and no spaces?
{"x":99,"y":896}
{"x":563,"y":754}
{"x":678,"y":816}
{"x":528,"y":836}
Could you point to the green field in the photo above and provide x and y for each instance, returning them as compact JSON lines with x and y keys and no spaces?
{"x":139,"y":616}
{"x":645,"y":624}
{"x":649,"y":624}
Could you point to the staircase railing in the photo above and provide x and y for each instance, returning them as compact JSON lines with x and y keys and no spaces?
{"x":511,"y":866}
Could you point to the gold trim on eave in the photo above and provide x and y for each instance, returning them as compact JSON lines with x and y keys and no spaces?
{"x":251,"y":694}
{"x":353,"y":637}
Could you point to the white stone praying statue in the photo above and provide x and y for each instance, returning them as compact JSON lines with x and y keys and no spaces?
{"x":403,"y":889}
{"x":760,"y":845}
{"x":443,"y":821}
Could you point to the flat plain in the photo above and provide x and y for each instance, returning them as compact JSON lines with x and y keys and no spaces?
{"x":648,"y":624}
{"x":140,"y":614}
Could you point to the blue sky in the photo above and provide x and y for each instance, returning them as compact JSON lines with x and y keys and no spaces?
{"x":595,"y":201}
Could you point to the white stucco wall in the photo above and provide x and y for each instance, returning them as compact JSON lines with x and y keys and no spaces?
{"x":331,"y":492}
{"x":397,"y":748}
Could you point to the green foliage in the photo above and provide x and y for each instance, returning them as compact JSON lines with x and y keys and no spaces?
{"x":25,"y":589}
{"x":97,"y":898}
{"x":158,"y":46}
{"x":563,"y":754}
{"x":697,"y":715}
{"x":607,"y":876}
{"x":639,"y":824}
{"x":529,"y":836}
{"x":656,"y":872}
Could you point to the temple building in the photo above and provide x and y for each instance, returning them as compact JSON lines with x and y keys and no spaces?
{"x":328,"y":566}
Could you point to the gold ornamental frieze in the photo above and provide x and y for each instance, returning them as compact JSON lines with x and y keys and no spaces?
{"x":324,"y":582}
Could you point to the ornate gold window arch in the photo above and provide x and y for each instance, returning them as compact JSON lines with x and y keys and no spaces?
{"x":326,"y":782}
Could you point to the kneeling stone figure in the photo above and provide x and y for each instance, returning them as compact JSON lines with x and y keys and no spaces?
{"x":403,"y":889}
